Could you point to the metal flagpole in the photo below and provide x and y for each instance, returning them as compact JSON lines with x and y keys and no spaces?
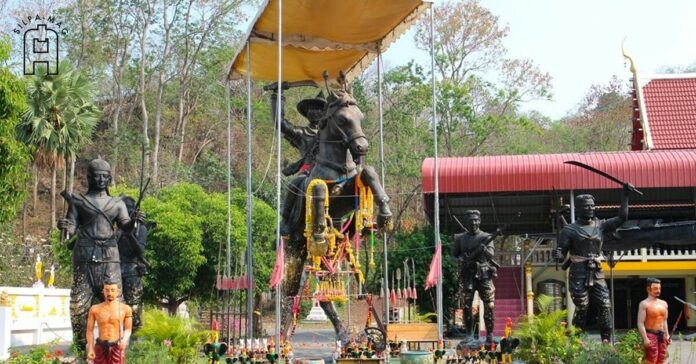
{"x":278,"y":137}
{"x":381,"y":164}
{"x":249,"y":202}
{"x":436,"y":174}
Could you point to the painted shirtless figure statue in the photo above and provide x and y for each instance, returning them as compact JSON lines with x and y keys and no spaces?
{"x":652,"y":323}
{"x":110,"y":316}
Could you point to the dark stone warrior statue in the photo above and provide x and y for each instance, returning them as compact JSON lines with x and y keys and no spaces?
{"x":583,"y":240}
{"x":304,"y":139}
{"x":474,"y":251}
{"x":133,"y":265}
{"x":95,"y":215}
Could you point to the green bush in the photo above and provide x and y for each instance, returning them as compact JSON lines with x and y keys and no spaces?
{"x":627,"y":350}
{"x":41,"y":354}
{"x":545,"y":339}
{"x":147,"y":352}
{"x":630,"y":347}
{"x":182,"y":338}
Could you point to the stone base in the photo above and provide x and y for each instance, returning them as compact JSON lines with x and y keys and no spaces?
{"x":472,"y":343}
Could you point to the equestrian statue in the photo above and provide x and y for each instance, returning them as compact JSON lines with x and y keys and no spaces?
{"x":329,"y":202}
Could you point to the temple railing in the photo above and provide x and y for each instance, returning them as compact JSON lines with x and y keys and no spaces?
{"x":508,"y":258}
{"x":543,"y":255}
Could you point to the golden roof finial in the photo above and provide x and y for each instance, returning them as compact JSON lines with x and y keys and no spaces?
{"x":627,"y":56}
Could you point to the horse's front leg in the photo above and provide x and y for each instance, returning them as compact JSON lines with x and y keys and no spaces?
{"x":384,"y":215}
{"x":296,"y":252}
{"x":339,"y":329}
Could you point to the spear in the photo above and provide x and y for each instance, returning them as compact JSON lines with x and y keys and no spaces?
{"x":392,"y":294}
{"x":414,"y":293}
{"x":398,"y":282}
{"x":407,"y":289}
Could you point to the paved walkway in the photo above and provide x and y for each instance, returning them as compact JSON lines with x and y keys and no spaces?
{"x":310,"y":342}
{"x":317,"y":341}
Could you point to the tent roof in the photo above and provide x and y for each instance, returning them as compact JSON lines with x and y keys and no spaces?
{"x":321,"y":35}
{"x":547,"y":172}
{"x":517,"y":192}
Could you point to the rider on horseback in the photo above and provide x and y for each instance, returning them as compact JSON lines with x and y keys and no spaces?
{"x":304,"y":139}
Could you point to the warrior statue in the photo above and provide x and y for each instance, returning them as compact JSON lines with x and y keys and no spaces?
{"x":304,"y":139}
{"x":95,"y":253}
{"x":583,"y":240}
{"x":474,"y":251}
{"x":133,"y":265}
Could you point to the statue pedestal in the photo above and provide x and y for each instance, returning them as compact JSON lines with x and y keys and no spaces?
{"x":317,"y":313}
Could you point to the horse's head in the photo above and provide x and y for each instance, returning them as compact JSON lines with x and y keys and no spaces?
{"x":344,"y":121}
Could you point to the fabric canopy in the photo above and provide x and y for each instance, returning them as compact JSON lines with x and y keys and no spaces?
{"x":323,"y":35}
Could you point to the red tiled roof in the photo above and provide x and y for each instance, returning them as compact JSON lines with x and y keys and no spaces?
{"x":671,"y":109}
{"x":546,"y":172}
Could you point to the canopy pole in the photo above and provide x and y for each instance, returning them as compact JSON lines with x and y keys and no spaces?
{"x":228,"y":264}
{"x":381,"y":165}
{"x":249,"y":247}
{"x":278,"y":138}
{"x":436,"y":174}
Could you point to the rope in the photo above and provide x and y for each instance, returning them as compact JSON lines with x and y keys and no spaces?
{"x":268,"y":165}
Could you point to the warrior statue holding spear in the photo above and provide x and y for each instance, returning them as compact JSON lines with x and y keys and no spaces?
{"x":95,"y":253}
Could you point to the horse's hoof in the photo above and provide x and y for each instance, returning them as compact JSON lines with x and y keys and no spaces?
{"x":385,"y":222}
{"x":343,"y":337}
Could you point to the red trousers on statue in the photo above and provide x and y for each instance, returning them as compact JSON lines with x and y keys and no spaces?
{"x":108,"y":353}
{"x":655,"y":353}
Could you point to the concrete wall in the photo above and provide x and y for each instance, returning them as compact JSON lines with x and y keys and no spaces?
{"x":35,"y":316}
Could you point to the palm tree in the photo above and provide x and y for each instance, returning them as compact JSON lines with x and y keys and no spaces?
{"x":59,"y":121}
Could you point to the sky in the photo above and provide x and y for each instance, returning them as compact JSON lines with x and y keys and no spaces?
{"x":579,"y":42}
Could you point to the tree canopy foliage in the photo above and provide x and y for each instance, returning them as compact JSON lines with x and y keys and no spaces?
{"x":13,"y":154}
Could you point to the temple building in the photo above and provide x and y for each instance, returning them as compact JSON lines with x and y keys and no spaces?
{"x":524,"y":195}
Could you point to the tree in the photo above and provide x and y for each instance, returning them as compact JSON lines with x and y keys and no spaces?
{"x":161,"y":80}
{"x":602,"y":121}
{"x":175,"y":253}
{"x":468,"y":47}
{"x":190,"y":229}
{"x":468,"y":39}
{"x":201,"y":31}
{"x":59,"y":120}
{"x":14,"y":155}
{"x":103,"y":48}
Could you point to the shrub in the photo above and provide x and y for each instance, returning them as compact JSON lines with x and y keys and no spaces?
{"x":147,"y":352}
{"x":545,"y":338}
{"x":182,"y":338}
{"x":41,"y":354}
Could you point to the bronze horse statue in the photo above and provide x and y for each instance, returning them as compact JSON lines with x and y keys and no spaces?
{"x":341,"y":142}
